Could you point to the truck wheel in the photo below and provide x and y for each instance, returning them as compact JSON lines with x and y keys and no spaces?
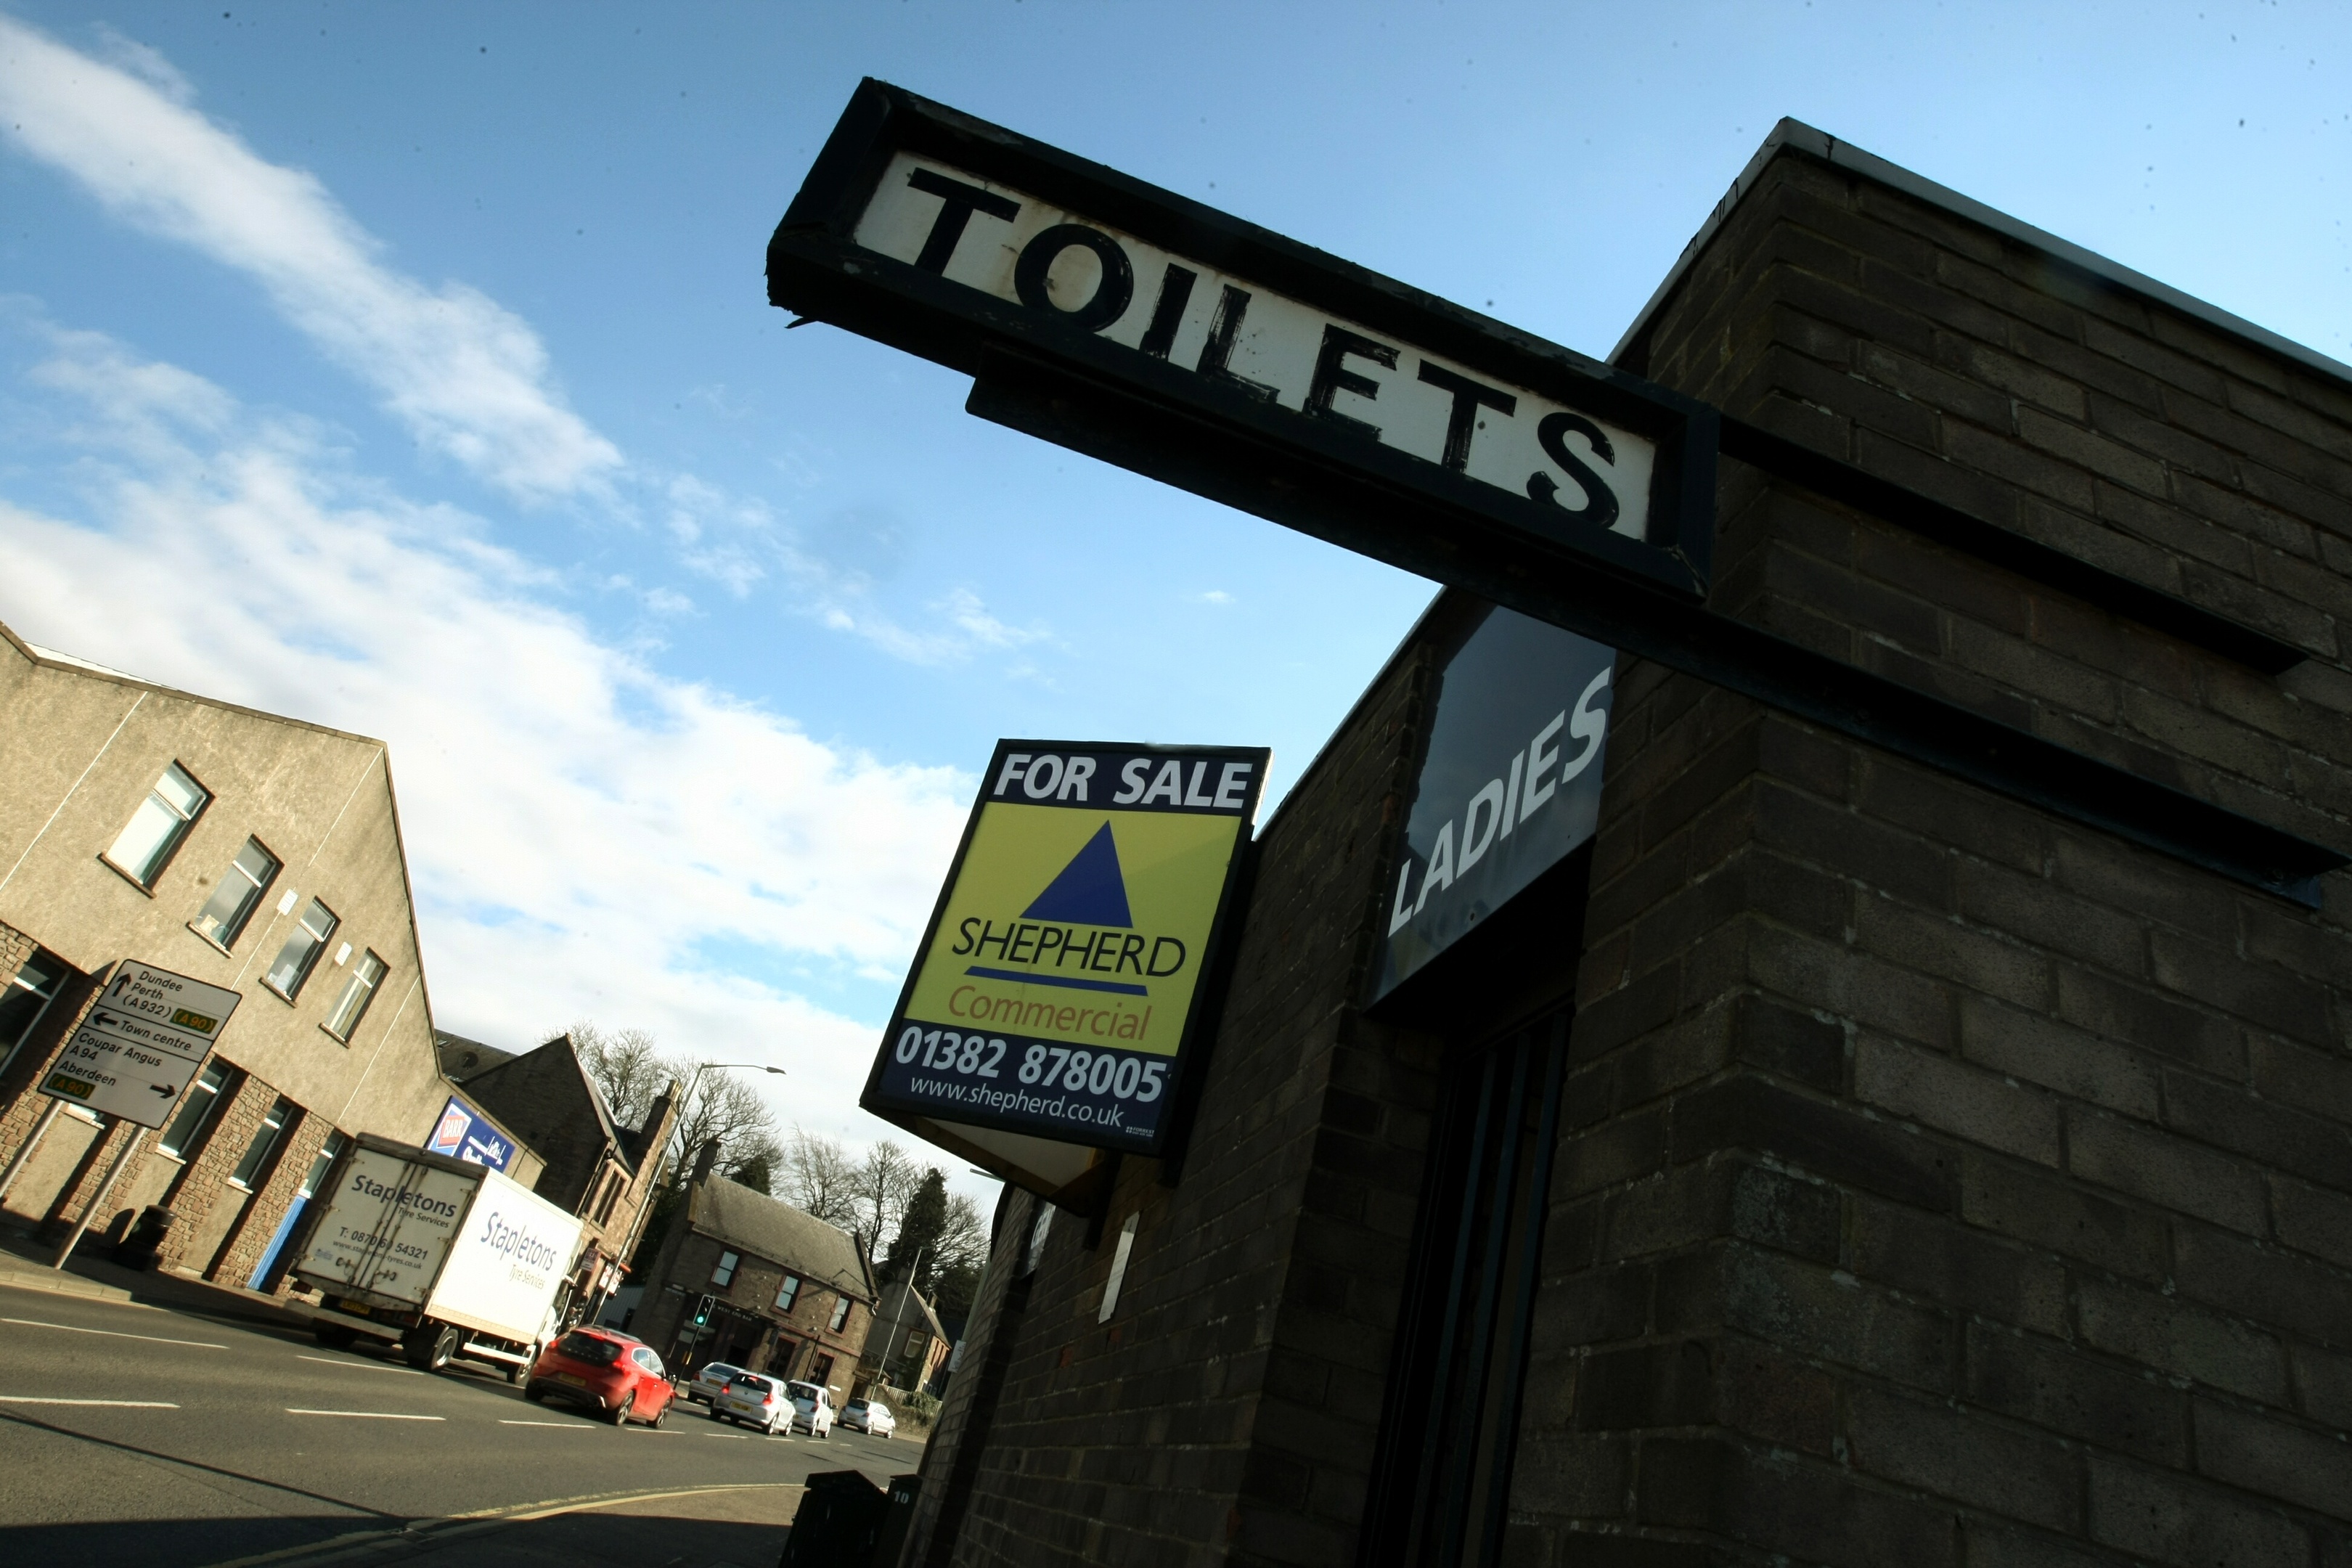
{"x":430,"y":1346}
{"x":334,"y":1336}
{"x":516,"y":1369}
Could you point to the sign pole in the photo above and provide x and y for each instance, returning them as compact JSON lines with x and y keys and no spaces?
{"x":32,"y":1141}
{"x":89,"y":1210}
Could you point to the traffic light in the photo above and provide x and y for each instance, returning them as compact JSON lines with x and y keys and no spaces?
{"x":702,"y":1312}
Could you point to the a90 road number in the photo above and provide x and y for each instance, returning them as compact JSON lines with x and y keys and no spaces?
{"x":1051,"y":1067}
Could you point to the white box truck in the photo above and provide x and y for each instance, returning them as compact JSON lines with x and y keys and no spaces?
{"x":444,"y":1257}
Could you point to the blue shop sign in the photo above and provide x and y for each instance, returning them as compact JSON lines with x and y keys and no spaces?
{"x":1510,"y":784}
{"x":465,"y":1133}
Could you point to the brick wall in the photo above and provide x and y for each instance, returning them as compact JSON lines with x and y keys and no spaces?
{"x":298,"y":1146}
{"x":1226,"y":1413}
{"x":20,"y":1109}
{"x":1951,"y":1184}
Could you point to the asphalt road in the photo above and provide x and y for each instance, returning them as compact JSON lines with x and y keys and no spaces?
{"x":136,"y":1433}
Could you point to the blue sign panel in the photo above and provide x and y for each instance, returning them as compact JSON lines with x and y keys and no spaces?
{"x":1511,"y":783}
{"x":465,"y":1133}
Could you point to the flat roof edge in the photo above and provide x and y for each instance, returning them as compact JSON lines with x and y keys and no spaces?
{"x":1796,"y":136}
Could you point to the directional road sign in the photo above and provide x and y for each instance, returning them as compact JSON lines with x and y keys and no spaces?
{"x":140,"y":1043}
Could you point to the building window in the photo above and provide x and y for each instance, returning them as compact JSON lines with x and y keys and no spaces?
{"x":300,"y":953}
{"x":324,"y":1161}
{"x":25,"y":997}
{"x":724,"y":1273}
{"x":240,"y":894}
{"x":788,"y":1292}
{"x":358,"y":992}
{"x":264,"y":1138}
{"x":156,"y":828}
{"x":840,"y":1316}
{"x":195,"y":1114}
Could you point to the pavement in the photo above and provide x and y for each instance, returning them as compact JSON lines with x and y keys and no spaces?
{"x":151,"y":1419}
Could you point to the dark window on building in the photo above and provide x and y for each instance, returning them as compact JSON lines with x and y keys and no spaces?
{"x":1443,"y":1467}
{"x":24,"y":998}
{"x":239,"y":893}
{"x":187,"y":1125}
{"x":144,"y":847}
{"x":300,"y":954}
{"x":724,"y":1273}
{"x":840,"y":1316}
{"x":279,"y":1117}
{"x":819,"y":1370}
{"x":329,"y":1153}
{"x":359,"y":991}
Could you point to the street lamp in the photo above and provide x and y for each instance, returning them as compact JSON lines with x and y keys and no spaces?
{"x":678,"y":1128}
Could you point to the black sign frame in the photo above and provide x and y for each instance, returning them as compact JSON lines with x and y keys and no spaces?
{"x":1193,"y":1043}
{"x":1033,"y":368}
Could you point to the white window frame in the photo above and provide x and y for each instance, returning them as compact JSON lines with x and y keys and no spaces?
{"x":723,"y":1274}
{"x":785,"y":1303}
{"x":309,"y":962}
{"x":18,"y":982}
{"x":180,"y":819}
{"x":840,"y":1315}
{"x":225,"y":933}
{"x":282,"y":1113}
{"x":359,"y":995}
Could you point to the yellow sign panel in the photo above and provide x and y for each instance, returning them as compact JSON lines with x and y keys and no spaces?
{"x":1062,"y":973}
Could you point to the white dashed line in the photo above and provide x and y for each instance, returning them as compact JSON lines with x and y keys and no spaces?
{"x":114,"y":1335}
{"x":357,"y":1366}
{"x":116,"y":1404}
{"x":365,"y":1414}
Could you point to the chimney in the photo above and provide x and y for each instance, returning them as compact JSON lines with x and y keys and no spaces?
{"x":654,"y":1132}
{"x":704,"y":1161}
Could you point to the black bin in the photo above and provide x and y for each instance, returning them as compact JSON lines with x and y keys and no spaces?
{"x":138,"y":1249}
{"x":839,"y":1519}
{"x":898,"y":1513}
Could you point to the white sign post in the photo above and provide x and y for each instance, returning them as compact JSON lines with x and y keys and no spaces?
{"x":132,"y":1057}
{"x":140,"y":1043}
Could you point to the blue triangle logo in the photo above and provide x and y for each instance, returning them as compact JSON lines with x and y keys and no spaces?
{"x":1090,"y":891}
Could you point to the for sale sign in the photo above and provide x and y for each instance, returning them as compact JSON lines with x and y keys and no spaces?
{"x":1062,"y":973}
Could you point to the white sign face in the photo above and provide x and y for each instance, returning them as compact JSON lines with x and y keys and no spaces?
{"x":388,"y":1225}
{"x":140,"y":1043}
{"x":503,"y":1272}
{"x":1018,"y":248}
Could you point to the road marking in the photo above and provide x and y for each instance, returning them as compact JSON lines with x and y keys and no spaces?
{"x":114,"y":1333}
{"x":358,"y":1365}
{"x":365,"y":1414}
{"x":370,"y":1543}
{"x":559,"y":1425}
{"x":118,"y":1403}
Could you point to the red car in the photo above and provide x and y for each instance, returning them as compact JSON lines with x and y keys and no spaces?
{"x":617,"y":1374}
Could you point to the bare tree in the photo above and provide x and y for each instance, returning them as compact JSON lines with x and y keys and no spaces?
{"x":626,"y":1066}
{"x":731,"y":1113}
{"x":886,"y":1184}
{"x":819,"y":1178}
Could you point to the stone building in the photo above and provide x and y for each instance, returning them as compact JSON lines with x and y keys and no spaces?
{"x":906,"y":1346}
{"x":1831,"y":1162}
{"x":603,"y":1172}
{"x":244,"y":849}
{"x":778,"y":1291}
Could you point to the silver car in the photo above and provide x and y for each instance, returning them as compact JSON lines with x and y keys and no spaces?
{"x":710,"y":1381}
{"x":751,"y":1400}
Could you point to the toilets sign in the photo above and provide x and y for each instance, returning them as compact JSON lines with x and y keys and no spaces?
{"x":1058,"y":984}
{"x":1127,"y":322}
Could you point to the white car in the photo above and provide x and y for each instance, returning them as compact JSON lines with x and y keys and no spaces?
{"x":710,"y":1381}
{"x":751,"y":1400}
{"x":871,"y":1416}
{"x":812,"y":1409}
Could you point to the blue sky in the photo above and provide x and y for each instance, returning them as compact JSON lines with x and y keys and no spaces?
{"x":426,"y":348}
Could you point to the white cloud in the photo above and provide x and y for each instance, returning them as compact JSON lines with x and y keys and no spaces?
{"x":465,"y":376}
{"x":588,"y":838}
{"x":1215,"y":596}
